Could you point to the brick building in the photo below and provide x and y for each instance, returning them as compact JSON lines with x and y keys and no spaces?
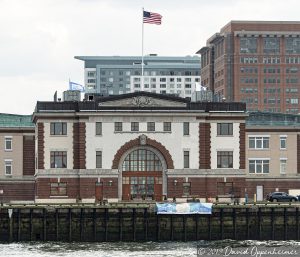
{"x":17,"y":158}
{"x":256,"y":62}
{"x":138,"y":145}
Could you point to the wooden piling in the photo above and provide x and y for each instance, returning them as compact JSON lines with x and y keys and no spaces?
{"x":19,"y":225}
{"x":44,"y":224}
{"x":285,"y":218}
{"x":209,"y":227}
{"x":197,"y":226}
{"x":105,"y":223}
{"x":146,"y":224}
{"x":247,"y":224}
{"x":234,"y":223}
{"x":157,"y":227}
{"x":31,"y":225}
{"x":171,"y":228}
{"x":10,"y":216}
{"x":133,"y":224}
{"x":120,"y":224}
{"x":221,"y":224}
{"x":81,"y":224}
{"x":184,"y":228}
{"x":297,"y":223}
{"x":259,"y":223}
{"x":273,"y":223}
{"x":56,"y":224}
{"x":70,"y":224}
{"x":95,"y":224}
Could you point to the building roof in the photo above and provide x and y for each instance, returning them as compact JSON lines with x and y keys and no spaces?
{"x":139,"y":101}
{"x":15,"y":121}
{"x":262,"y":119}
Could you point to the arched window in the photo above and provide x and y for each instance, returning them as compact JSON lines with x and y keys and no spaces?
{"x":142,"y":160}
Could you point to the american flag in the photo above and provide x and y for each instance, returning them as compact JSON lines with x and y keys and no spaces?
{"x":151,"y":17}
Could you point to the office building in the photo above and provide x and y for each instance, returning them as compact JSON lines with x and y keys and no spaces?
{"x":115,"y":75}
{"x":255,"y":62}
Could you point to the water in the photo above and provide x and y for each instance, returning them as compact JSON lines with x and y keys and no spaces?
{"x":176,"y":249}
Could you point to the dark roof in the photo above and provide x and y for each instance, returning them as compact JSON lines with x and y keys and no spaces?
{"x":185,"y":104}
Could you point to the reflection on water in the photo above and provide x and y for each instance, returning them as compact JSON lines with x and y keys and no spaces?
{"x":53,"y":249}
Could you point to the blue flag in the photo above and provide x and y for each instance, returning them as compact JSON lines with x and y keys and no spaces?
{"x":76,"y":86}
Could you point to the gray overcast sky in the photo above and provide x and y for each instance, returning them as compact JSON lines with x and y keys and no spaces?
{"x":39,"y":38}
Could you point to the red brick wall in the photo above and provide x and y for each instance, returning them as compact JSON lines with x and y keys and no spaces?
{"x":28,"y":155}
{"x":270,"y":186}
{"x":17,"y":191}
{"x":242,"y":146}
{"x":79,"y":145}
{"x":204,"y":146}
{"x":298,"y":153}
{"x":41,"y":150}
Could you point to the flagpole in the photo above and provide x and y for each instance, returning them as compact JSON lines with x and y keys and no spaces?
{"x":142,"y":50}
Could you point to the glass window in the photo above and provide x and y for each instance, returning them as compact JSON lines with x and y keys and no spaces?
{"x":150,"y":126}
{"x":58,"y":159}
{"x":167,"y":126}
{"x":8,"y":143}
{"x":186,"y":159}
{"x":58,"y":128}
{"x":248,"y":45}
{"x":118,"y":126}
{"x":282,"y":142}
{"x":259,"y":166}
{"x":225,"y":159}
{"x":186,"y":128}
{"x":8,"y":167}
{"x":259,"y":142}
{"x":98,"y":128}
{"x":283,"y":166}
{"x":58,"y":189}
{"x":142,"y":160}
{"x":134,"y":126}
{"x":271,"y":46}
{"x":98,"y":159}
{"x":225,"y":128}
{"x":292,"y":45}
{"x":224,"y":188}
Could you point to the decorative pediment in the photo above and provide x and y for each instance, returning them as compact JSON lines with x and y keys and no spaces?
{"x":143,"y":101}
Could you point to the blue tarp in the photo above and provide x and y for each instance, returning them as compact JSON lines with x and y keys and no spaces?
{"x":183,"y":208}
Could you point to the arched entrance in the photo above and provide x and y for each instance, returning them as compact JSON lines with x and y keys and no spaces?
{"x":142,"y":174}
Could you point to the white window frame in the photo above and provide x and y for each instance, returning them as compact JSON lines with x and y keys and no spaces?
{"x":281,"y":137}
{"x":281,"y":162}
{"x":256,"y":138}
{"x":6,"y":161}
{"x":5,"y":139}
{"x":262,"y":165}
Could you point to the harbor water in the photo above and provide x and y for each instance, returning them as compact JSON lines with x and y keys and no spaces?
{"x":157,"y":249}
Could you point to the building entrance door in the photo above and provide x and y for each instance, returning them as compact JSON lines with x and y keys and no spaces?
{"x":142,"y":176}
{"x":259,"y":193}
{"x":99,"y":191}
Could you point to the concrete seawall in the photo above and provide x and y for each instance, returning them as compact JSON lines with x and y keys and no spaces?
{"x":141,"y":223}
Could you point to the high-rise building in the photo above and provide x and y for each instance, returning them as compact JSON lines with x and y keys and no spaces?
{"x":256,"y":62}
{"x":114,"y":75}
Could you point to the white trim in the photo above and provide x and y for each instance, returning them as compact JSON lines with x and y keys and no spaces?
{"x":259,"y":159}
{"x":8,"y":136}
{"x":284,"y":158}
{"x":254,"y":135}
{"x":283,"y":136}
{"x":11,"y":142}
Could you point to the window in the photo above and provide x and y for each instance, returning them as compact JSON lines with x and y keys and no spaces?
{"x":98,"y":159}
{"x":58,"y":189}
{"x":271,"y":46}
{"x":98,"y":128}
{"x":225,"y":188}
{"x":142,"y":160}
{"x":167,"y":126}
{"x":259,"y":142}
{"x":282,"y":142}
{"x":118,"y":126}
{"x":259,"y":166}
{"x":186,"y":159}
{"x":225,"y":129}
{"x":134,"y":126}
{"x":248,"y":45}
{"x":225,"y":159}
{"x":8,"y":143}
{"x":8,"y":167}
{"x":150,"y":126}
{"x":58,"y":128}
{"x":186,"y":188}
{"x":283,"y":166}
{"x":292,"y":45}
{"x":186,"y":128}
{"x":58,"y":159}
